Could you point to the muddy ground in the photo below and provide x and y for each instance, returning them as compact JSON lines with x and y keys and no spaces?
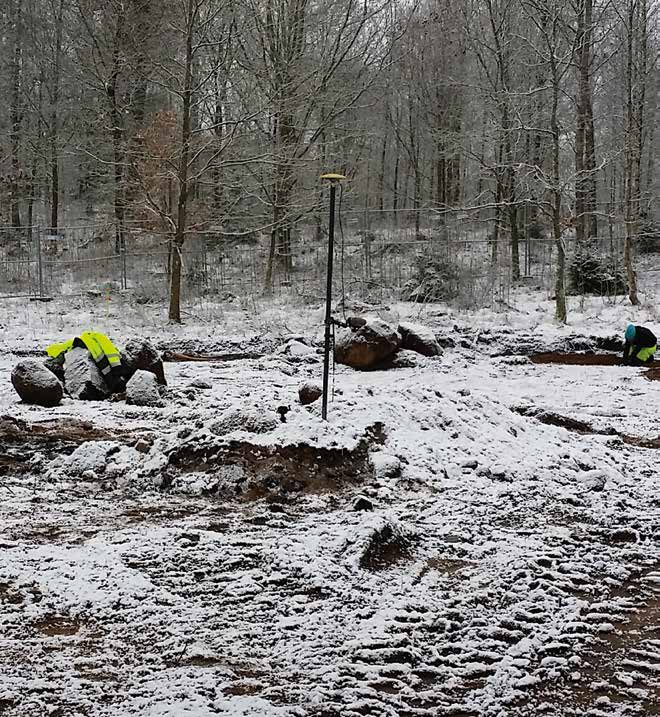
{"x":490,"y":549}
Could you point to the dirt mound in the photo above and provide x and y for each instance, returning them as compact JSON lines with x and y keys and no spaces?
{"x":250,"y":471}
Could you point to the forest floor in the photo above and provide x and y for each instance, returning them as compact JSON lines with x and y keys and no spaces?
{"x":474,"y":536}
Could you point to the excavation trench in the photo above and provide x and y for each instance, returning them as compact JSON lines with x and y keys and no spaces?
{"x":651,"y":373}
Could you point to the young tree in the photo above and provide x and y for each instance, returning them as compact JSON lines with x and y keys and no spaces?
{"x":16,"y":106}
{"x":555,"y":52}
{"x":636,"y":33}
{"x":586,"y":218}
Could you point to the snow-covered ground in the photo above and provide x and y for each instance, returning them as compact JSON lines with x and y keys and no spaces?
{"x":507,"y":567}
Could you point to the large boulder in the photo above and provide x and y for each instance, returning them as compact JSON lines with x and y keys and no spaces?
{"x":142,"y":355}
{"x":82,"y":378}
{"x":419,"y":339}
{"x":142,"y":389}
{"x":367,"y":346}
{"x":34,"y":383}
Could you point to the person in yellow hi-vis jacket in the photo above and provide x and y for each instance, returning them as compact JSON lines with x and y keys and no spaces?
{"x":105,"y":354}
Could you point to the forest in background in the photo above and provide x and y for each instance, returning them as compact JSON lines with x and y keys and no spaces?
{"x":538,"y":117}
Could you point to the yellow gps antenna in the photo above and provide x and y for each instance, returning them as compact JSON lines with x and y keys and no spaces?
{"x":333,"y":179}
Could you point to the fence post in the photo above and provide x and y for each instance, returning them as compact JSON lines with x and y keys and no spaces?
{"x":40,"y":265}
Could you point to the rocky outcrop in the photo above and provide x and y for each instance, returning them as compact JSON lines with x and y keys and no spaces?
{"x":35,"y":384}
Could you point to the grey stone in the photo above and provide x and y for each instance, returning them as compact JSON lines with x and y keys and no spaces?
{"x":36,"y":384}
{"x":404,"y":359}
{"x":419,"y":339}
{"x":309,"y":392}
{"x":594,"y":480}
{"x":362,"y":503}
{"x":142,"y":355}
{"x":82,"y":378}
{"x":142,"y":446}
{"x":142,"y":390}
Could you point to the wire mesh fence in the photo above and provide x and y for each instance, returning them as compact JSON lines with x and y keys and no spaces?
{"x":378,"y":258}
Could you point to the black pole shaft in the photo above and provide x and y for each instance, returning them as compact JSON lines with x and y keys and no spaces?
{"x":328,"y":304}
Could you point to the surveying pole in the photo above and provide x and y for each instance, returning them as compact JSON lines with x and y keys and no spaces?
{"x":333,"y":179}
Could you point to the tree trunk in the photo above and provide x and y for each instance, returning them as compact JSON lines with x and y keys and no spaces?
{"x":494,"y":248}
{"x":174,"y":313}
{"x":579,"y":126}
{"x":636,"y":69}
{"x":117,"y":134}
{"x":585,"y":154}
{"x":381,"y":174}
{"x":54,"y":123}
{"x":560,"y":288}
{"x":16,"y":116}
{"x":395,"y":185}
{"x":220,"y":87}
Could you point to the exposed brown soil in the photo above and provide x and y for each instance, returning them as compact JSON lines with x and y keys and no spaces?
{"x":641,"y":442}
{"x":55,"y":626}
{"x":577,"y":359}
{"x":653,"y":374}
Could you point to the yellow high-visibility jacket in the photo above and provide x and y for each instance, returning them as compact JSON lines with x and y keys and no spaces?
{"x":102,"y":350}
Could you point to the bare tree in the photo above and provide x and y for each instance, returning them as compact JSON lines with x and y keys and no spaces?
{"x":586,"y":218}
{"x":492,"y":39}
{"x":555,"y":52}
{"x":312,"y":64}
{"x":636,"y":79}
{"x":16,"y":13}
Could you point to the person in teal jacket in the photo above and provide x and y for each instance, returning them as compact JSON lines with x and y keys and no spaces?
{"x":640,"y":346}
